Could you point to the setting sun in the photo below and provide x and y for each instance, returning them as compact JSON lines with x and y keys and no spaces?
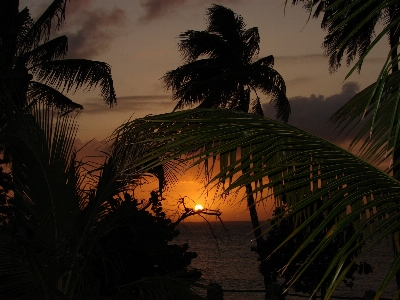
{"x":198,"y":207}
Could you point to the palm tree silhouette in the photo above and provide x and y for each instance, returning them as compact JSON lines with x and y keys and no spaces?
{"x":351,"y":31}
{"x":221,"y":69}
{"x":33,"y":66}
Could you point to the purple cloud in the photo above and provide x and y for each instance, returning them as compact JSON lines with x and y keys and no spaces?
{"x":158,"y":8}
{"x":312,"y":113}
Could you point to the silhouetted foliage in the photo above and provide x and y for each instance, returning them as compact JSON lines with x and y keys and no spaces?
{"x":138,"y":245}
{"x":33,"y":66}
{"x":342,"y":40}
{"x":6,"y":205}
{"x":221,"y":68}
{"x":310,"y":279}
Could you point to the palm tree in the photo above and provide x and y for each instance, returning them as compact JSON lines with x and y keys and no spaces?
{"x":221,"y":69}
{"x":33,"y":66}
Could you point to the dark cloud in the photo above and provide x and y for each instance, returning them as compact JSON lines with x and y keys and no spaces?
{"x":158,"y":8}
{"x":134,"y":104}
{"x":94,"y":36}
{"x":312,"y":113}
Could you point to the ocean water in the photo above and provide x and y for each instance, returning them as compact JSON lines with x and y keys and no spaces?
{"x":224,"y":256}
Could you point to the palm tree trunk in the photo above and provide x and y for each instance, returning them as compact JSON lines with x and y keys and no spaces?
{"x":260,"y":241}
{"x":254,"y":216}
{"x":244,"y":104}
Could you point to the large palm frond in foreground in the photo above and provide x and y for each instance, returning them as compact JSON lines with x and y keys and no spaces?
{"x":312,"y":176}
{"x":376,"y":109}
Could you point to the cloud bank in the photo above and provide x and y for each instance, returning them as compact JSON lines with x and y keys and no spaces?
{"x":312,"y":113}
{"x":154,"y":104}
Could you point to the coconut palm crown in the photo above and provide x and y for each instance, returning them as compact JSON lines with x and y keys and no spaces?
{"x":33,"y":65}
{"x":353,"y":30}
{"x":221,"y":68}
{"x":351,"y":26}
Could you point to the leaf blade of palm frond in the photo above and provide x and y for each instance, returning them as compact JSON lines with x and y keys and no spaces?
{"x":74,"y":74}
{"x":372,"y":45}
{"x":54,"y":49}
{"x":195,"y":44}
{"x":38,"y":92}
{"x":42,"y":28}
{"x":379,"y":131}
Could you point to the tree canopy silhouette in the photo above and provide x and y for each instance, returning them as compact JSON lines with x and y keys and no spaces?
{"x":351,"y":27}
{"x":33,"y":65}
{"x":221,"y":68}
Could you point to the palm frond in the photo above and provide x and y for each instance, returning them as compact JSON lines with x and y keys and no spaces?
{"x":45,"y":197}
{"x":256,"y":107}
{"x":377,"y":106}
{"x":54,"y":49}
{"x":56,"y":216}
{"x":204,"y":80}
{"x":74,"y":74}
{"x":310,"y":175}
{"x":14,"y":26}
{"x":271,"y":83}
{"x":196,"y":44}
{"x":49,"y":157}
{"x":38,"y":92}
{"x":51,"y":20}
{"x":24,"y":23}
{"x":314,"y":7}
{"x":353,"y":35}
{"x":225,"y":23}
{"x":351,"y":27}
{"x":251,"y":40}
{"x":363,"y":17}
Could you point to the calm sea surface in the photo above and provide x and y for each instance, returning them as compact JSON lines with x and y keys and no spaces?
{"x":224,"y":256}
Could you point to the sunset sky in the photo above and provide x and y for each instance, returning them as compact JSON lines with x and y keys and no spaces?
{"x":138,"y":38}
